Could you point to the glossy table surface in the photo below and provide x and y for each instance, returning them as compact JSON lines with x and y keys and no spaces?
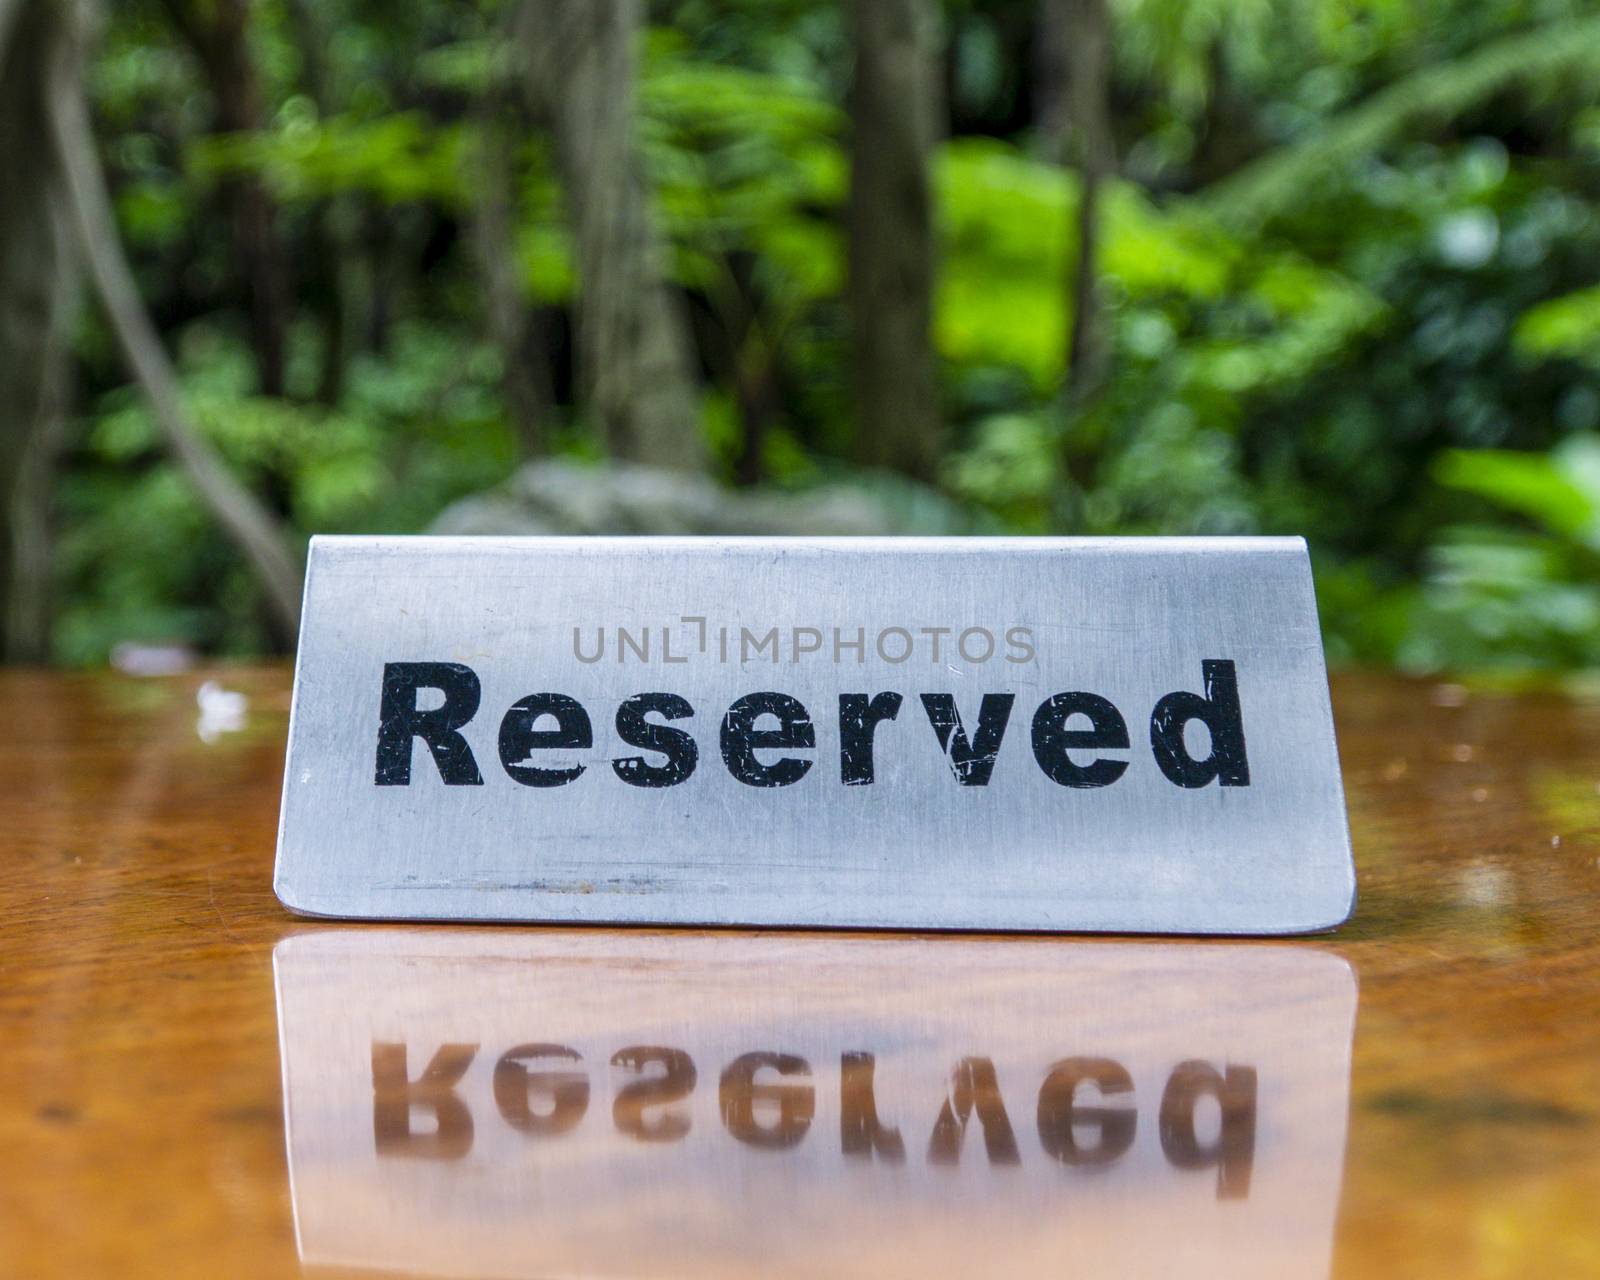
{"x":193,"y":1082}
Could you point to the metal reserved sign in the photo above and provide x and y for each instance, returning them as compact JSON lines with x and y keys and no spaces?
{"x":1058,"y":734}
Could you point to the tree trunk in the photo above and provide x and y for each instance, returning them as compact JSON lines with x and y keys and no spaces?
{"x":1087,"y":32}
{"x":220,"y":41}
{"x":633,"y":350}
{"x":744,"y":348}
{"x":755,"y":391}
{"x":242,"y":517}
{"x":35,"y":296}
{"x":1052,"y":103}
{"x":328,"y":250}
{"x":524,"y":377}
{"x":894,"y":104}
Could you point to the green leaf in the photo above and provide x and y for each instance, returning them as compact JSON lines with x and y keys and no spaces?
{"x":1530,"y":484}
{"x":1564,"y":326}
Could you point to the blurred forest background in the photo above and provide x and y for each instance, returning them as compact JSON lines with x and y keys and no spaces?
{"x":275,"y":267}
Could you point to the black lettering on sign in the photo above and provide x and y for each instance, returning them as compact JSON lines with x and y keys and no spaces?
{"x":1233,"y":1151}
{"x":400,"y":720}
{"x":1052,"y":740}
{"x":859,"y":718}
{"x":1220,"y":713}
{"x":1066,"y":728}
{"x":971,"y":761}
{"x":676,"y":1082}
{"x":741,"y":739}
{"x":739,"y":1093}
{"x":566,"y":1091}
{"x":679,"y":748}
{"x":860,"y":1132}
{"x":395,"y":1095}
{"x":973,"y":1087}
{"x":1060,"y":1114}
{"x":519,"y":739}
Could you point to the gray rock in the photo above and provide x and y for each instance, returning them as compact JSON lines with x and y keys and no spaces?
{"x":563,"y":497}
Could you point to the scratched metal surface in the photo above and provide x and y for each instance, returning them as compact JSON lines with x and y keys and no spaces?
{"x":1128,"y":619}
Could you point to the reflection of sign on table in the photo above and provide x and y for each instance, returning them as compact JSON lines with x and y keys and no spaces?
{"x":1006,"y":733}
{"x":636,"y":1105}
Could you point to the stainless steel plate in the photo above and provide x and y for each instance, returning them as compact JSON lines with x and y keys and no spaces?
{"x":1057,"y":734}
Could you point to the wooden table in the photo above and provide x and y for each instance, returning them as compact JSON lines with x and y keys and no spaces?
{"x":142,"y":1079}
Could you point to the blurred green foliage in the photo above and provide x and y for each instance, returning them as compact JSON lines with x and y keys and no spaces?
{"x":139,"y":555}
{"x":1510,"y":597}
{"x":1349,"y":264}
